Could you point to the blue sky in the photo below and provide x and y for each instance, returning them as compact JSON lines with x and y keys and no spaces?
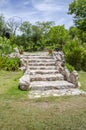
{"x":37,"y":10}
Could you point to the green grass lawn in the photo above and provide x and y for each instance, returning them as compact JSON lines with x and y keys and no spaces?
{"x":17,"y":112}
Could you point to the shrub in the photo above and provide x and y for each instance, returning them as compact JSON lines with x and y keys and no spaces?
{"x":12,"y":64}
{"x":75,"y":58}
{"x":69,"y":67}
{"x":5,"y":46}
{"x":84,"y":61}
{"x":74,"y":54}
{"x":2,"y":61}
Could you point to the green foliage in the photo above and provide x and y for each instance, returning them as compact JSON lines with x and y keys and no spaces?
{"x":12,"y":64}
{"x":20,"y":41}
{"x":73,"y":54}
{"x":74,"y":32}
{"x":84,"y":61}
{"x":25,"y":28}
{"x":82,"y":36}
{"x":5,"y":46}
{"x":70,"y":45}
{"x":34,"y":37}
{"x":57,"y":36}
{"x":2,"y":25}
{"x":69,"y":67}
{"x":78,"y":8}
{"x":75,"y":58}
{"x":21,"y":49}
{"x":2,"y":62}
{"x":45,"y":26}
{"x":82,"y":79}
{"x":84,"y":46}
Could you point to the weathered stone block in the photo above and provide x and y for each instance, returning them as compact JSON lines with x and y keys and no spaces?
{"x":74,"y":78}
{"x":24,"y":82}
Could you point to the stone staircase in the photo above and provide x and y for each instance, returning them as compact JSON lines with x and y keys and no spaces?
{"x":44,"y":78}
{"x":44,"y":74}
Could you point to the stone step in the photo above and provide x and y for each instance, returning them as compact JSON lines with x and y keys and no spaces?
{"x":41,"y":64}
{"x":42,"y":67}
{"x":53,"y":92}
{"x":39,"y":57}
{"x":46,"y":77}
{"x":49,"y":85}
{"x":36,"y":53}
{"x":40,"y":60}
{"x":43,"y":71}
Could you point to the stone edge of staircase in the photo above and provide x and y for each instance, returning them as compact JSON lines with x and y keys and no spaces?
{"x":55,"y":93}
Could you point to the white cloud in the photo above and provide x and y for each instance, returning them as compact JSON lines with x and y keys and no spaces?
{"x":52,"y":10}
{"x":37,"y":10}
{"x":47,"y":5}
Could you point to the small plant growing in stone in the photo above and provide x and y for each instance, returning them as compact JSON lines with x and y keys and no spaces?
{"x":69,"y":67}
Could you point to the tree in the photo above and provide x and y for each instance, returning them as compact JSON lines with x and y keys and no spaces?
{"x":36,"y":38}
{"x":75,"y":33}
{"x":4,"y":31}
{"x":57,"y":36}
{"x":2,"y":25}
{"x":25,"y":28}
{"x":45,"y":26}
{"x":13,"y":24}
{"x":78,"y":9}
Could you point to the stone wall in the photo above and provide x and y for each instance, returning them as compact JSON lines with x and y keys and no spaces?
{"x":24,"y":81}
{"x":60,"y":64}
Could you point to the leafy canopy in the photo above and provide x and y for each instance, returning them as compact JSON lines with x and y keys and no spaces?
{"x":78,"y":9}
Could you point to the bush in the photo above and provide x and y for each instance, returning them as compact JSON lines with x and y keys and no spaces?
{"x":74,"y":54}
{"x":5,"y":46}
{"x":84,"y":61}
{"x":2,"y":61}
{"x":75,"y":58}
{"x":69,"y":67}
{"x":9,"y":64}
{"x":12,"y":64}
